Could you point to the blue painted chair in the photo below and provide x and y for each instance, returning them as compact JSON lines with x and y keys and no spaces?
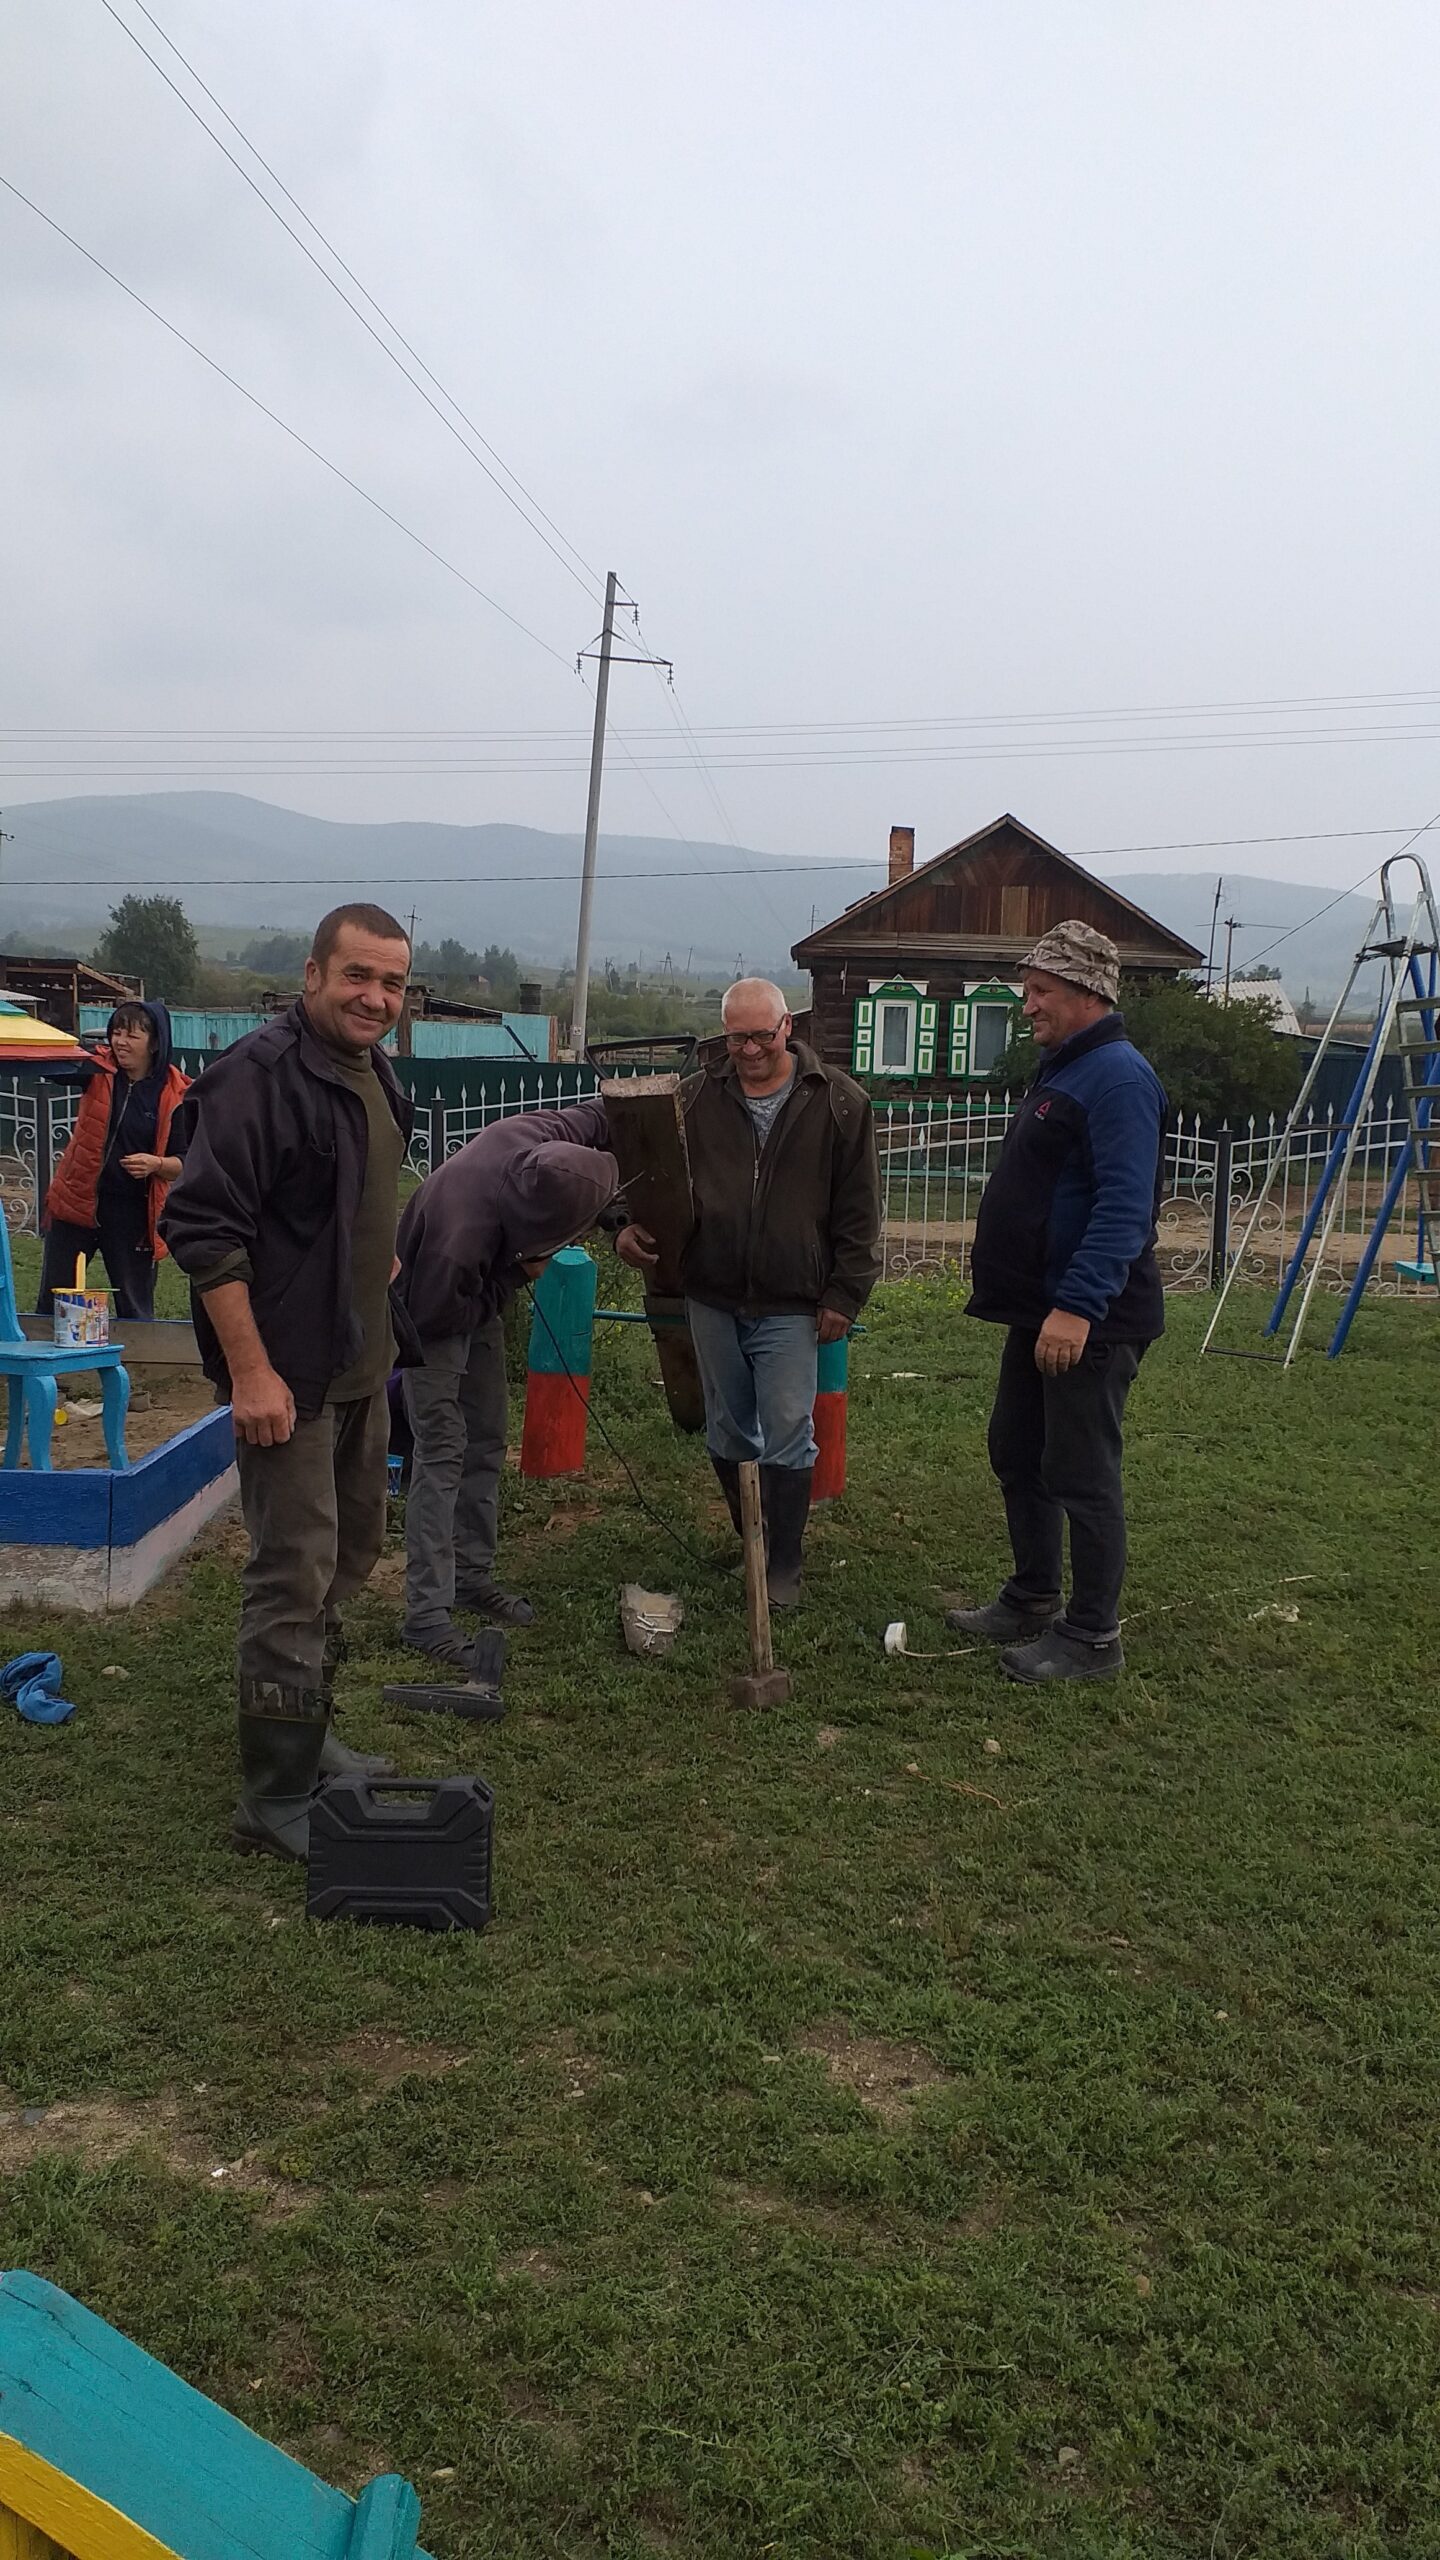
{"x":107,"y":2455}
{"x":29,"y":1370}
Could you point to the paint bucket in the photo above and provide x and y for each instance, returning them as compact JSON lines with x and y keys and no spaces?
{"x":82,"y":1319}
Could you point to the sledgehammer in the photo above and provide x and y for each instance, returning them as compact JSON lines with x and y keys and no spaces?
{"x":762,"y":1685}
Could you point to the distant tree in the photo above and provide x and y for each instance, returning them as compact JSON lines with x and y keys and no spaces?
{"x":1264,"y":971}
{"x":1222,"y":1062}
{"x":154,"y":940}
{"x":278,"y":958}
{"x":501,"y":972}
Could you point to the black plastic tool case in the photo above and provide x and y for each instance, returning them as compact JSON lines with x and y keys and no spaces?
{"x":413,"y":1849}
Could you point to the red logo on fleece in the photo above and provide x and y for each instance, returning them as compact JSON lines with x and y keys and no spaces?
{"x":1040,"y":1109}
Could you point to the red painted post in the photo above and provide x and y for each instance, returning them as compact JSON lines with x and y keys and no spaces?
{"x":832,"y":1399}
{"x":557,"y":1386}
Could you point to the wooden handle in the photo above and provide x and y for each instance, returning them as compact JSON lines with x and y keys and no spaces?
{"x":757,"y":1597}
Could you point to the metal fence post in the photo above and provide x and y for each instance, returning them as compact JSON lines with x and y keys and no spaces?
{"x":1220,"y":1210}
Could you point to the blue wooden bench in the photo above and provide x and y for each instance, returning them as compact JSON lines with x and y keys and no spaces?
{"x":107,"y":2455}
{"x":29,"y":1370}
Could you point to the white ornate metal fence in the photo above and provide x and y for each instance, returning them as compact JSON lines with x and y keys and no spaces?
{"x":935,"y":1158}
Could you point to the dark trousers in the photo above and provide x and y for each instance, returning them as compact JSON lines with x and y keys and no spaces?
{"x":124,"y":1239}
{"x":1056,"y":1447}
{"x":459,"y":1409}
{"x":315,"y":1510}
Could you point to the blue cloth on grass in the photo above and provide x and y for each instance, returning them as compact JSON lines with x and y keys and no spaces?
{"x":32,"y":1680}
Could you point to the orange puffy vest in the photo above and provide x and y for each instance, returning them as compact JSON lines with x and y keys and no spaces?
{"x":74,"y":1192}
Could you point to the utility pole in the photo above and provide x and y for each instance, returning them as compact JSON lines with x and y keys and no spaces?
{"x":1214,"y":919}
{"x":580,"y":1000}
{"x":1232,"y":924}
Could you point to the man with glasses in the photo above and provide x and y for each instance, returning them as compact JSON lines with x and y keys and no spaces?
{"x":783,"y":1254}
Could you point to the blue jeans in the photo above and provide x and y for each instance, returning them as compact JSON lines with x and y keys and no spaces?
{"x":758,"y":1373}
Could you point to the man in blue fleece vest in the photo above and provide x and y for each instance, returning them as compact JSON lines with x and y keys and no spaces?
{"x":1064,"y":1254}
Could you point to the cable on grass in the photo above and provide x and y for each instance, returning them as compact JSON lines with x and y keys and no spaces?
{"x":616,"y":1451}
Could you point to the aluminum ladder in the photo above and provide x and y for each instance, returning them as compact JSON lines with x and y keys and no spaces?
{"x":1408,"y":1013}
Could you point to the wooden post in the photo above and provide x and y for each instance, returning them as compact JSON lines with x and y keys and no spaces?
{"x":647,"y":1140}
{"x":763,"y":1685}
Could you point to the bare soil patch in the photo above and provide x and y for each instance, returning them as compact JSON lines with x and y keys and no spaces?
{"x":389,"y":2059}
{"x":164,"y":1401}
{"x":885,"y":2077}
{"x":99,"y":2131}
{"x":535,"y":2263}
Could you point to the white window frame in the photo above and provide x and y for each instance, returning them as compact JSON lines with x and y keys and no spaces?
{"x":885,"y":1005}
{"x":979,"y":1066}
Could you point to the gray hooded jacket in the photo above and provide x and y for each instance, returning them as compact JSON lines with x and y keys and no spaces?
{"x":521,"y":1189}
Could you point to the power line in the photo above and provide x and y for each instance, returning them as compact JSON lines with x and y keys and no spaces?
{"x":1292,"y":930}
{"x":563,"y":762}
{"x":276,"y":420}
{"x":587,"y":581}
{"x":752,"y":729}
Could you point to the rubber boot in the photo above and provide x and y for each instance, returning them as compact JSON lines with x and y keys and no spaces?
{"x":337,"y":1760}
{"x":282,"y":1732}
{"x":785,"y":1497}
{"x":727,"y":1471}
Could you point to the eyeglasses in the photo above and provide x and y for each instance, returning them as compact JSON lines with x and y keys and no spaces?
{"x":753,"y":1039}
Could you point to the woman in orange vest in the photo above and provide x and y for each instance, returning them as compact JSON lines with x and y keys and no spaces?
{"x":110,"y":1183}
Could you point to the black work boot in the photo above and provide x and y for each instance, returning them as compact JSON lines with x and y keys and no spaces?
{"x":1060,"y":1655}
{"x":785,"y":1497}
{"x":281,"y":1733}
{"x":442,"y":1642}
{"x":1005,"y":1621}
{"x":501,"y":1608}
{"x":337,"y":1760}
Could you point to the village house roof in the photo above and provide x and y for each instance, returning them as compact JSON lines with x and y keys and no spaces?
{"x":996,"y":891}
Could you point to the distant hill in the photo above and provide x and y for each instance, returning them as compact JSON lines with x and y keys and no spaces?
{"x":1317,"y":957}
{"x":245,"y":864}
{"x":232,"y":860}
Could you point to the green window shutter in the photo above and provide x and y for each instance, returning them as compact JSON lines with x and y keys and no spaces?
{"x":960,"y":1037}
{"x":863,"y":1048}
{"x":926,"y":1031}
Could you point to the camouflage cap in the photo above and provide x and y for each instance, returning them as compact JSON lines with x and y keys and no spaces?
{"x":1077,"y":953}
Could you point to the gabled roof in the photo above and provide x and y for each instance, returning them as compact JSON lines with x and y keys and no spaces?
{"x":870,"y":911}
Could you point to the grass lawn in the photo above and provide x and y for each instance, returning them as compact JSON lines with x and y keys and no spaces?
{"x":817,"y":2157}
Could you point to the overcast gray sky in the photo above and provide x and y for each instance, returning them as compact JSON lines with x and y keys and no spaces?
{"x":910,"y":363}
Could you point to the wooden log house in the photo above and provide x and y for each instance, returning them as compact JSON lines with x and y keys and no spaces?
{"x":917,"y":986}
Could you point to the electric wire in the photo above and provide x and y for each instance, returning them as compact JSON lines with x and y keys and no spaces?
{"x":1358,"y":703}
{"x":615,"y":1450}
{"x":1292,"y":930}
{"x":276,"y":420}
{"x":587,"y":581}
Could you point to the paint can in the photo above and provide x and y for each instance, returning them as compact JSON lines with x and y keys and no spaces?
{"x":82,"y":1319}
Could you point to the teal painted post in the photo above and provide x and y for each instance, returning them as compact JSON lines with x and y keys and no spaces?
{"x":832,"y":1400}
{"x":387,"y":2520}
{"x":557,"y":1388}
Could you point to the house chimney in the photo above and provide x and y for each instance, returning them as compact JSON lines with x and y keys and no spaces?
{"x":902,"y":853}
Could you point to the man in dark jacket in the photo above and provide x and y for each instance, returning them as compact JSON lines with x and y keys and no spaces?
{"x":487,"y":1220}
{"x":783,"y":1255}
{"x":284,"y":1223}
{"x":1064,"y":1255}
